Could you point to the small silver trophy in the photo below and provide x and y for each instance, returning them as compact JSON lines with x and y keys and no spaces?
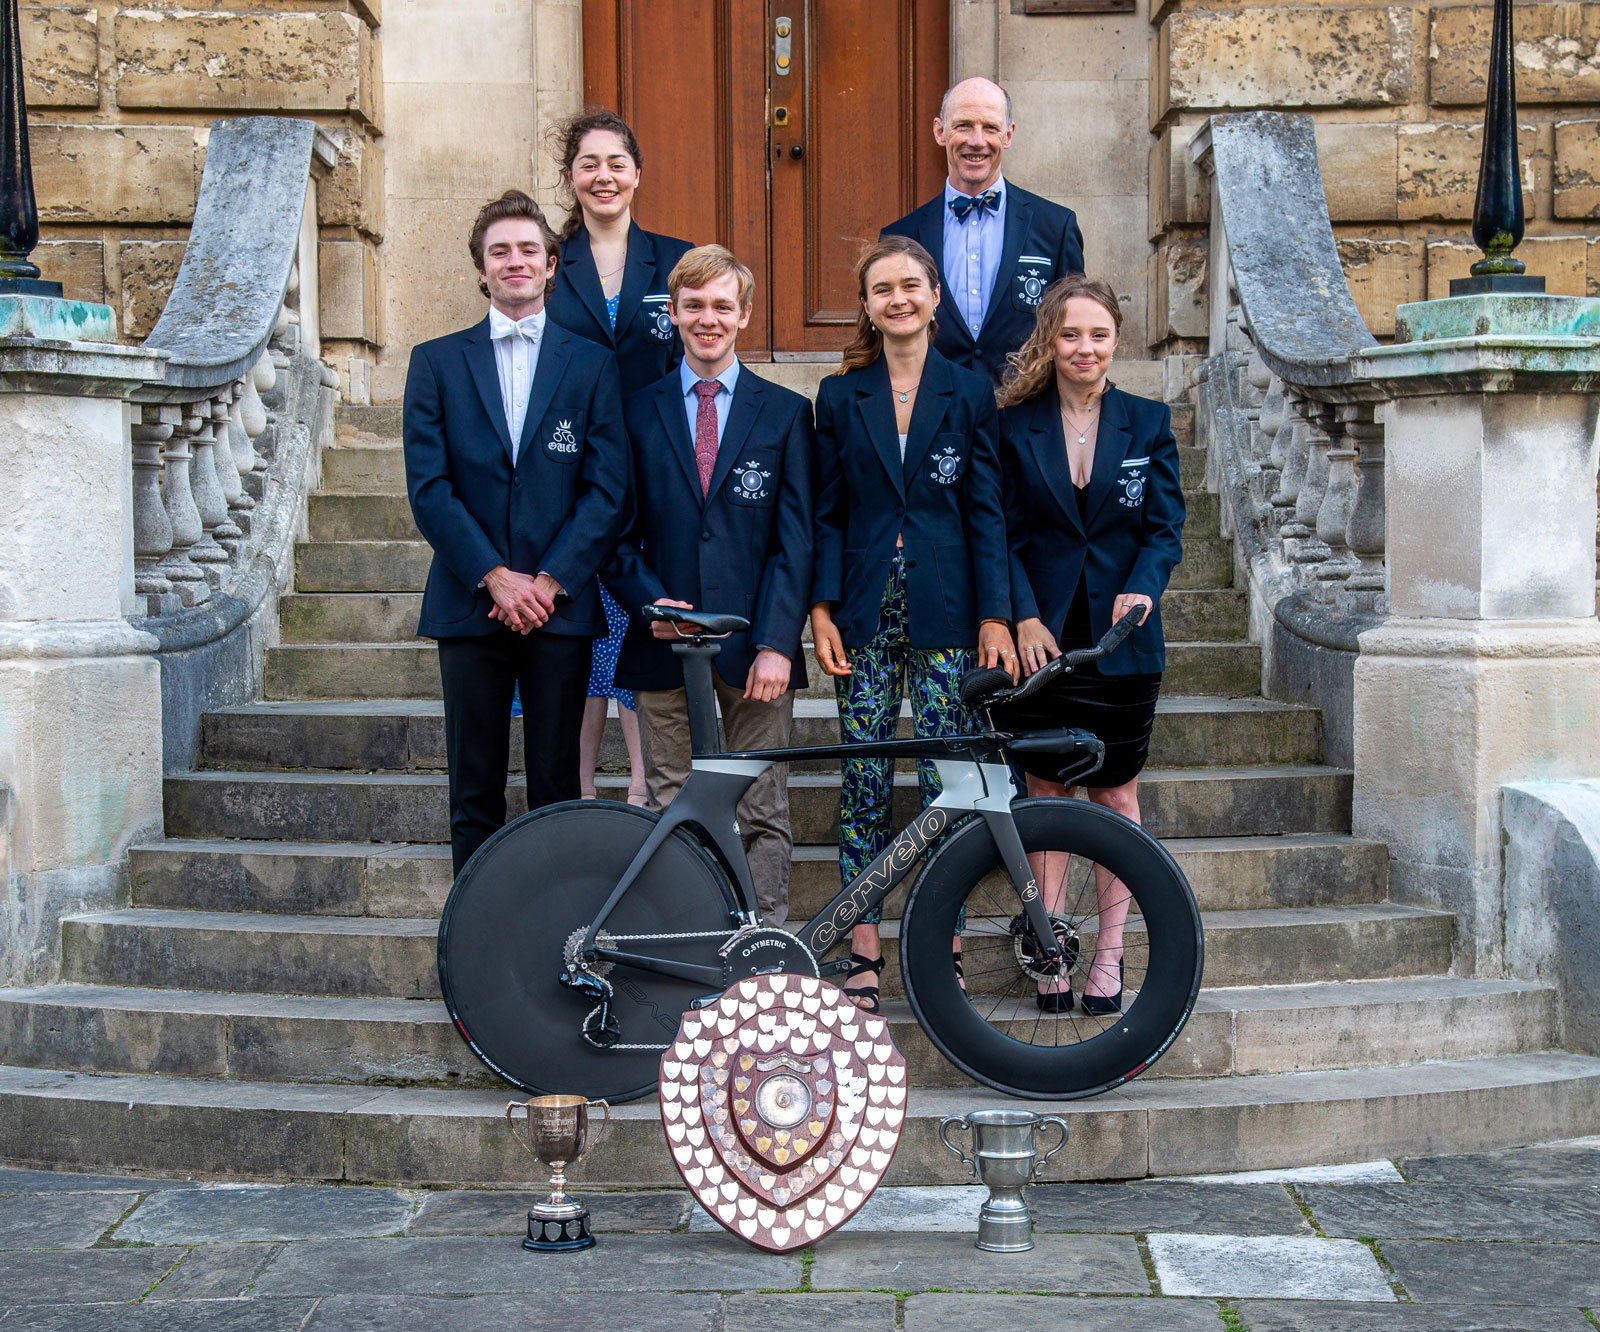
{"x":1005,"y":1156}
{"x":558,"y":1134}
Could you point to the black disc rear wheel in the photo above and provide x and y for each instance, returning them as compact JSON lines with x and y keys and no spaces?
{"x":534,"y":887}
{"x":994,"y":1030}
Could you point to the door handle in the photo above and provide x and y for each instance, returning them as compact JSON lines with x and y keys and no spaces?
{"x":797,"y":151}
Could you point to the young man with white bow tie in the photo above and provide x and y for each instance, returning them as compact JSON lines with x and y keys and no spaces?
{"x":517,"y":469}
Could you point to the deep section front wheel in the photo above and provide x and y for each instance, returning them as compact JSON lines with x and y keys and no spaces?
{"x":526,"y":898}
{"x":1101,"y":876}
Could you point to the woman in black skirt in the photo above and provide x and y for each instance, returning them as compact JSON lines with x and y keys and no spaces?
{"x":1094,"y":512}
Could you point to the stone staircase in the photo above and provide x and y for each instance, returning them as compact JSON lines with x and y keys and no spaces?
{"x":267,"y":1005}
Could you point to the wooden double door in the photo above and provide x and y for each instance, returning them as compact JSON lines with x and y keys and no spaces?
{"x":788,"y":130}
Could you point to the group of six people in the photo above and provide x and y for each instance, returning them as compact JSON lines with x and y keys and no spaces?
{"x":968,"y":490}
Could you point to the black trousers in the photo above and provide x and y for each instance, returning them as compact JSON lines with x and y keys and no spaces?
{"x":478,"y":675}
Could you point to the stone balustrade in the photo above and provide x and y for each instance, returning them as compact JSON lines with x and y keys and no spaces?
{"x":224,"y":445}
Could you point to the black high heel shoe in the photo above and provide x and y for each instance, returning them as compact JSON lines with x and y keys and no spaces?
{"x":1104,"y":1005}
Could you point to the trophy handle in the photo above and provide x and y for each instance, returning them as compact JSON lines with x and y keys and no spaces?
{"x":948,"y":1123}
{"x":1061,"y":1124}
{"x":605,"y":1117}
{"x":524,"y":1143}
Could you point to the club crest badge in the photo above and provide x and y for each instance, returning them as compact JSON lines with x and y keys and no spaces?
{"x":1132,"y":484}
{"x":658,"y":321}
{"x":782,"y":1105}
{"x":563,"y":443}
{"x":1033,"y":276}
{"x":946,"y":467}
{"x":750,"y":481}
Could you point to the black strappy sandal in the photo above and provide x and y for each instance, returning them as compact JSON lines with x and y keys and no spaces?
{"x":961,"y":976}
{"x":863,"y":966}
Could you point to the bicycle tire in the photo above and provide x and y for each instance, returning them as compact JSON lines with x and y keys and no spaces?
{"x":996,"y":1033}
{"x":505,"y":927}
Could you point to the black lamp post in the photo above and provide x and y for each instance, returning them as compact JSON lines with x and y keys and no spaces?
{"x":19,"y":215}
{"x":1497,"y":213}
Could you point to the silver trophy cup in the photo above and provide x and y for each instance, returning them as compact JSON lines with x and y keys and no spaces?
{"x":558,"y":1134}
{"x":1005,"y":1156}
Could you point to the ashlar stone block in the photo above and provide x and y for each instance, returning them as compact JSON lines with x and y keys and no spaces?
{"x":1359,"y":165}
{"x":1577,"y":169}
{"x":1178,"y":193}
{"x":78,"y":265}
{"x":348,"y":280}
{"x":114,"y":173}
{"x":1561,"y":260}
{"x":1557,"y":53}
{"x":352,"y":195}
{"x":320,"y":60}
{"x":1381,"y":275}
{"x":1283,"y":56}
{"x":1178,"y":307}
{"x":148,"y":268}
{"x":1438,"y":170}
{"x":60,"y":55}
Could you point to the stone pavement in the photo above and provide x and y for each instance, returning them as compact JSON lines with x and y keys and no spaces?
{"x":1497,"y":1242}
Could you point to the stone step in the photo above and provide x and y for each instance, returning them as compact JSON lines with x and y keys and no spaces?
{"x":1187,"y":614}
{"x":1150,"y":1127}
{"x":412,"y":807}
{"x":402,"y":566}
{"x":1233,"y":1032}
{"x":411,"y":670}
{"x":386,"y":516}
{"x":393,"y":958}
{"x":408,"y":735}
{"x":369,"y":466}
{"x":367,"y":879}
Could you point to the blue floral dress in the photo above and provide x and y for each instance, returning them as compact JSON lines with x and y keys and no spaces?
{"x":604,"y":653}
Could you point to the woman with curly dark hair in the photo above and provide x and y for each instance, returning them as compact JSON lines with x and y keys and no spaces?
{"x":1095,"y":516}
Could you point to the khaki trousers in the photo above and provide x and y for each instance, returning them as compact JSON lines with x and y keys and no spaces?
{"x":764,"y":811}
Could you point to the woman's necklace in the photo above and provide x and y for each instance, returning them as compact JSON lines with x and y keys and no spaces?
{"x":615,"y":270}
{"x":1081,"y":431}
{"x":905,"y":396}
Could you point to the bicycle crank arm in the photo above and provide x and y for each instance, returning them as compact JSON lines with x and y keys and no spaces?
{"x":661,"y":966}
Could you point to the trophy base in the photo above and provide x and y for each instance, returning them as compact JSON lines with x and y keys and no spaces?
{"x":565,"y":1233}
{"x":1005,"y":1229}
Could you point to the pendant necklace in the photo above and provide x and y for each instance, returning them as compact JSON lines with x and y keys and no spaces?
{"x":906,"y":395}
{"x":1082,"y":431}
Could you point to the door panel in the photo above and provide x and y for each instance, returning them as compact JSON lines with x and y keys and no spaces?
{"x":793,"y":168}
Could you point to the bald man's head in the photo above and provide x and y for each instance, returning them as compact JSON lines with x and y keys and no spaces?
{"x":974,"y":128}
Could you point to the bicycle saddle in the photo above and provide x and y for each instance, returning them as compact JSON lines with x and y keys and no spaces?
{"x":708,"y":624}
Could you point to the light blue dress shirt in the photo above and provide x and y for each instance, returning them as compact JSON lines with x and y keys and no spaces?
{"x":721,"y":399}
{"x":972,"y":254}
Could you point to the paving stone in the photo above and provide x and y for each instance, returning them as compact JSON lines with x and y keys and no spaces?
{"x":87,"y":1275}
{"x":1466,"y":1272}
{"x":500,"y":1313}
{"x":1361,"y":1172}
{"x":904,"y":1208}
{"x":811,"y":1312}
{"x":215,"y":1272}
{"x":1231,"y":1209}
{"x":477,"y":1212}
{"x":1485,"y":1211}
{"x":198,"y":1316}
{"x":1559,"y":1165}
{"x":501,"y":1266}
{"x":64,"y":1181}
{"x":59,"y":1220}
{"x":1089,"y":1264}
{"x":253,"y":1213}
{"x":1238,"y":1267}
{"x":1032,"y":1313}
{"x":1314,"y":1316}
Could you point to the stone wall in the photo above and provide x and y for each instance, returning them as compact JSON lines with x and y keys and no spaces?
{"x":120,"y":100}
{"x":1397,"y":91}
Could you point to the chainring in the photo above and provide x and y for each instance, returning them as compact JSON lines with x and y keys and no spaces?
{"x":761,"y":952}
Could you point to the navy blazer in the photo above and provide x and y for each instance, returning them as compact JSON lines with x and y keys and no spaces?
{"x":1042,"y":243}
{"x":743,"y":548}
{"x":1131,"y":535}
{"x":645,"y":341}
{"x":945,"y":499}
{"x":558,"y":511}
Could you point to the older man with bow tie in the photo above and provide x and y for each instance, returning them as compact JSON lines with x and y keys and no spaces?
{"x":998,"y":246}
{"x":517,"y":468}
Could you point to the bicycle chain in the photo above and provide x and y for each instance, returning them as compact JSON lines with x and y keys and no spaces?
{"x":614,"y":939}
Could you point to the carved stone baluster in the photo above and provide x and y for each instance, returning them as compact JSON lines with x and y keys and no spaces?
{"x":253,"y":415}
{"x":183,"y":515}
{"x":1308,"y":550}
{"x":1296,"y":455}
{"x":209,"y":552}
{"x":1367,"y":587}
{"x":265,"y":378}
{"x":222,"y":454}
{"x":152,"y":529}
{"x":1338,"y":499}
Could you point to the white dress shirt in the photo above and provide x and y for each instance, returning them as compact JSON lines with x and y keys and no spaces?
{"x":516,"y":357}
{"x":972,"y":248}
